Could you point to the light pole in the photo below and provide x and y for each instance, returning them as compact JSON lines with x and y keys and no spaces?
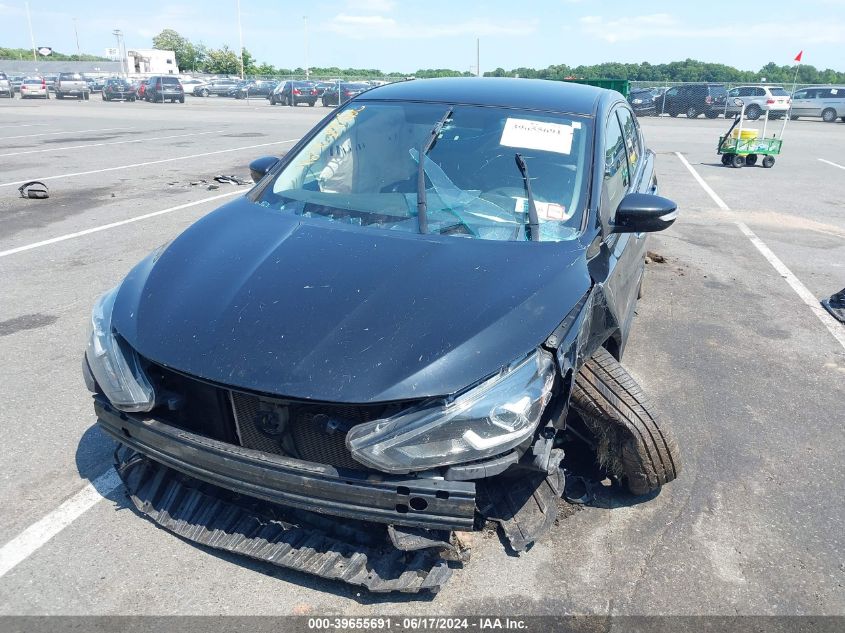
{"x":31,"y":36}
{"x":307,"y":73}
{"x":241,"y":39}
{"x":119,"y":36}
{"x":76,"y":32}
{"x":478,"y":56}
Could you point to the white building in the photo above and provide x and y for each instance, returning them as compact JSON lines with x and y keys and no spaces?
{"x":151,"y":61}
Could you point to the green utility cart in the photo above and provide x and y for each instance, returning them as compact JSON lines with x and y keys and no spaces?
{"x":745,"y":146}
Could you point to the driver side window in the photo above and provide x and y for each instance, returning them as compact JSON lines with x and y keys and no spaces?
{"x":615,"y":167}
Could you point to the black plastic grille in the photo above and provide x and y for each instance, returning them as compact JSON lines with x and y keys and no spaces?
{"x":315,"y":433}
{"x":248,"y":411}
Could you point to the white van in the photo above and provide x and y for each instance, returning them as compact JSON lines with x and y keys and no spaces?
{"x":827,"y":102}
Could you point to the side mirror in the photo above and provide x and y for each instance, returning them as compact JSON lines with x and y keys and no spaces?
{"x":739,"y":102}
{"x":644,"y":213}
{"x":260,"y":166}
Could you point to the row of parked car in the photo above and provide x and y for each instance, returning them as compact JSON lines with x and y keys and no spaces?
{"x":292,"y":93}
{"x":59,"y":84}
{"x":712,"y":99}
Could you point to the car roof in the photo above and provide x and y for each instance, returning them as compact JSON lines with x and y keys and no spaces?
{"x":529,"y":94}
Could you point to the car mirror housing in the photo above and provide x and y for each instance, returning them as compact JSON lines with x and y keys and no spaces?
{"x":644,"y":213}
{"x":260,"y":166}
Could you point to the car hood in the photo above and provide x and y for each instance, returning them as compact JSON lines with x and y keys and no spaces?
{"x":306,"y":308}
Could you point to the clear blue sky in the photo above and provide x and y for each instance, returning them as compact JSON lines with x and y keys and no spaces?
{"x":406,"y":36}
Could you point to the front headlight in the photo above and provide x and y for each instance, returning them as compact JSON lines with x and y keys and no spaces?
{"x":115,"y":366}
{"x":487,"y":420}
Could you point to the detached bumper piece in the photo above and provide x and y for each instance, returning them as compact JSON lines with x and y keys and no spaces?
{"x":835,"y":304}
{"x":352,"y":551}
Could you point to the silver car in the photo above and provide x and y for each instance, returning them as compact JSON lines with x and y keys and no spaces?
{"x":6,"y":87}
{"x":758,"y":100}
{"x":827,"y":102}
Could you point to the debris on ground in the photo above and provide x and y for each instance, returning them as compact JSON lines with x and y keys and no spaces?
{"x":234,"y":180}
{"x":34,"y":189}
{"x":656,"y":258}
{"x":835,"y":304}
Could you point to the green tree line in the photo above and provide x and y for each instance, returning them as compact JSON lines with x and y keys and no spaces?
{"x":25,"y":54}
{"x":197,"y":57}
{"x":687,"y":70}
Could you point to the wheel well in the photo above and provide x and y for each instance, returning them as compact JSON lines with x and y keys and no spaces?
{"x":612,"y":345}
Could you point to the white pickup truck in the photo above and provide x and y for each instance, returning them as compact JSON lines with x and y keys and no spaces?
{"x":72,"y":84}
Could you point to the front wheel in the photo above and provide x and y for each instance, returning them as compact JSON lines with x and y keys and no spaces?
{"x":737,"y":161}
{"x":205,"y":93}
{"x":633,"y":444}
{"x":768,"y":161}
{"x":753,"y":113}
{"x":726,"y":159}
{"x":829,"y":115}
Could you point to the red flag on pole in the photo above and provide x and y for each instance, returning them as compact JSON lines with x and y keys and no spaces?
{"x":798,"y":56}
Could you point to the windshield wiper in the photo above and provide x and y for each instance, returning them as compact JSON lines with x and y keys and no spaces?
{"x":533,"y":219}
{"x":422,"y":219}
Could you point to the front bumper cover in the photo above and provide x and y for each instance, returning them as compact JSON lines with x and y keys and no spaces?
{"x":417,"y":502}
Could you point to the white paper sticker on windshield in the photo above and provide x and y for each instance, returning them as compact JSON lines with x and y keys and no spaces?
{"x":546,"y":137}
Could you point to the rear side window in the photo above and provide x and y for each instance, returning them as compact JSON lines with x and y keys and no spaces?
{"x":3,"y":76}
{"x":171,"y":81}
{"x":75,"y":76}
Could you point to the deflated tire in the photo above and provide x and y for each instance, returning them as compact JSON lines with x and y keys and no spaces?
{"x":632,"y":444}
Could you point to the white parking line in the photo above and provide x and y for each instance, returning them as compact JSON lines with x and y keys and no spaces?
{"x":105,"y":227}
{"x":24,"y":125}
{"x":134,"y":140}
{"x":800,"y":289}
{"x":102,"y":129}
{"x":36,"y":535}
{"x":832,"y":163}
{"x":721,"y":203}
{"x":151,"y":162}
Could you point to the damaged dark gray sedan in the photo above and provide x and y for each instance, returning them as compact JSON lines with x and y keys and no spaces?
{"x":410,"y":327}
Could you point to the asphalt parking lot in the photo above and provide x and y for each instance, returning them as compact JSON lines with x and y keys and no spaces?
{"x":726,"y":342}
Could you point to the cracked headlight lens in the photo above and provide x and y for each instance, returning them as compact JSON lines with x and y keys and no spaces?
{"x":487,"y":420}
{"x":114,"y":364}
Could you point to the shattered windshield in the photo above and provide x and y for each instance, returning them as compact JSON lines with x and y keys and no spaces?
{"x":362,"y":168}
